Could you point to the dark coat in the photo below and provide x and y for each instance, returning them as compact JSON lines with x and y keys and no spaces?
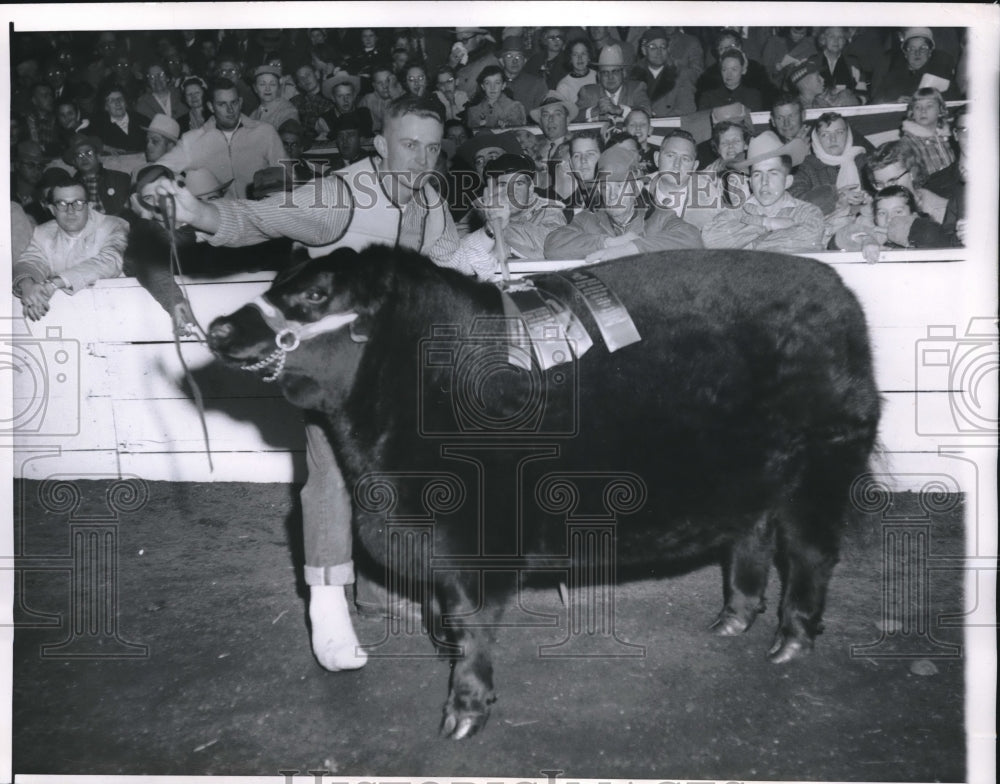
{"x":113,"y":136}
{"x":114,"y":188}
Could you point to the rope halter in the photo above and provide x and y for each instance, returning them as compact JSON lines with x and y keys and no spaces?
{"x":289,"y":334}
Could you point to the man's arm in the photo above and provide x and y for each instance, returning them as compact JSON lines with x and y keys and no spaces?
{"x":805,"y":234}
{"x":665,"y":231}
{"x":528,"y":237}
{"x":32,"y":264}
{"x":576,"y":240}
{"x":727,"y":230}
{"x":108,"y":261}
{"x":472,"y":255}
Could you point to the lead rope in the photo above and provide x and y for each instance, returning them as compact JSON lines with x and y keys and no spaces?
{"x":168,"y":214}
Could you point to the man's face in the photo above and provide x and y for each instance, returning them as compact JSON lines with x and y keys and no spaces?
{"x":156,"y":78}
{"x":43,"y":98}
{"x":368,"y":38}
{"x":85,"y":159}
{"x":30,"y":170}
{"x":484,"y":156}
{"x":769,"y":180}
{"x":122,"y":68}
{"x":597,"y":33}
{"x":553,"y":40}
{"x":343,"y":98}
{"x":833,"y":137}
{"x":226,"y":106}
{"x":554,"y":121}
{"x":890,"y":208}
{"x":115,"y":106}
{"x":68,"y":116}
{"x":638,"y":125}
{"x":732,"y":72}
{"x":656,"y":52}
{"x":787,"y":120}
{"x":513,"y":63}
{"x":305,"y":78}
{"x":266,"y":87}
{"x":292,"y":144}
{"x":811,"y":84}
{"x":173,"y":61}
{"x":585,"y":154}
{"x":492,"y":86}
{"x":382,"y":82}
{"x":678,"y":159}
{"x":157,"y":145}
{"x":894,"y":173}
{"x":731,"y":144}
{"x":457,"y":134}
{"x":349,"y":143}
{"x":611,"y":78}
{"x":228,"y":69}
{"x":71,"y":216}
{"x":619,"y":199}
{"x":416,"y":81}
{"x":833,"y":40}
{"x":409,"y":146}
{"x":56,"y":77}
{"x":514,"y":190}
{"x":917,"y":52}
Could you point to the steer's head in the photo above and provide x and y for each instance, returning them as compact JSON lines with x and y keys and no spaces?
{"x":307,"y":332}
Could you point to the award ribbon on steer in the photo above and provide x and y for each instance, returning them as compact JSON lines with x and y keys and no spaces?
{"x":614,"y":322}
{"x":555,"y":334}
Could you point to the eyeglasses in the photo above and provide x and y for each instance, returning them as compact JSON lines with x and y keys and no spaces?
{"x":557,"y":37}
{"x":656,"y":47}
{"x":446,"y":80}
{"x":66,"y":206}
{"x":917,"y":49}
{"x":880,"y":184}
{"x":85,"y":153}
{"x":418,"y":79}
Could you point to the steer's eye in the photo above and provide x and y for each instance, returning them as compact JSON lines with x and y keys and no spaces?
{"x":315,"y":296}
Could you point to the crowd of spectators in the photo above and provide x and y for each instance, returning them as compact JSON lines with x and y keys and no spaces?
{"x":259,"y":111}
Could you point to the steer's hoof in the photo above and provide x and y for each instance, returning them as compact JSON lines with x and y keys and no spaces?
{"x":729,"y":624}
{"x":462,"y":724}
{"x":785,"y":649}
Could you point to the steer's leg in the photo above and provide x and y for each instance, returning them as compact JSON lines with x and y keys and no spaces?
{"x":745,"y":578}
{"x":469,"y":615}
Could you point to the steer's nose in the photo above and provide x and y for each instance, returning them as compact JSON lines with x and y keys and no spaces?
{"x":220,"y":333}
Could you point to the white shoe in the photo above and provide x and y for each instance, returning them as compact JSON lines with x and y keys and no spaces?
{"x":334,"y":642}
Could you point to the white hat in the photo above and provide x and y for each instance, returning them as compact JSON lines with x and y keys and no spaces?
{"x":611,"y":57}
{"x":165,"y":126}
{"x":768,"y":145}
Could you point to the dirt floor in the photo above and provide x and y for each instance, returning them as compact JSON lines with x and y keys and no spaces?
{"x":211,"y":671}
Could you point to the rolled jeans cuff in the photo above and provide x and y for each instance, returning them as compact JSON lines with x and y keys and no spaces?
{"x":341,"y":574}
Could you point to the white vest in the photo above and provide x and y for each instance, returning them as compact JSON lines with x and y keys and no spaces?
{"x":377,"y":220}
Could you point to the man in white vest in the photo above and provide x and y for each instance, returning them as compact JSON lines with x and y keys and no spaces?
{"x":386,"y":199}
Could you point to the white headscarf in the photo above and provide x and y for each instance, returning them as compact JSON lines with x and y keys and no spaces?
{"x":847,"y":176}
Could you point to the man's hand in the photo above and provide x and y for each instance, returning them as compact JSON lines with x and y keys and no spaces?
{"x":778,"y":224}
{"x":607,"y":107}
{"x":35,"y":298}
{"x":623,"y":239}
{"x":871,"y":251}
{"x":612,"y":252}
{"x":187,"y":209}
{"x":183,"y":319}
{"x":495,"y":212}
{"x":853,"y":196}
{"x":898,"y":229}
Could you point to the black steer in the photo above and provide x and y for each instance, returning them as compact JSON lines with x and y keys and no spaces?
{"x":737,"y":426}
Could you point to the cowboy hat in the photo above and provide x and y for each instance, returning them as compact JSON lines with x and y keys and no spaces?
{"x":768,"y":145}
{"x":165,"y":126}
{"x":341,"y":78}
{"x":611,"y":57}
{"x":552,"y":97}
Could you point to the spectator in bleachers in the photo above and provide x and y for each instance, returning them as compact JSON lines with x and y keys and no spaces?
{"x":69,"y":119}
{"x":177,"y":68}
{"x":771,"y":219}
{"x":732,"y":69}
{"x":487,"y":146}
{"x":106,"y":190}
{"x":830,"y":176}
{"x":601,"y":39}
{"x":342,"y":90}
{"x":897,"y":163}
{"x":273,"y":109}
{"x":684,"y":51}
{"x":294,"y":169}
{"x":755,"y":77}
{"x":580,"y":55}
{"x":638,"y":124}
{"x":230,"y":145}
{"x":788,"y":118}
{"x":585,"y":150}
{"x":195,"y":91}
{"x":509,"y":181}
{"x":453,"y":100}
{"x":670,"y":87}
{"x":838,"y":70}
{"x":456,"y":132}
{"x":346,"y":132}
{"x":526,"y":88}
{"x":614,"y":96}
{"x":286,"y":82}
{"x":312,"y":104}
{"x":162,"y":135}
{"x":119,"y":129}
{"x":127,"y":75}
{"x":898,"y":78}
{"x":161,"y":97}
{"x":78,"y":248}
{"x":415,"y":80}
{"x":26,"y":179}
{"x":550,"y":63}
{"x":788,"y":47}
{"x":385,"y":89}
{"x":677,"y":160}
{"x":813,"y":92}
{"x":622,"y":225}
{"x":927,"y":129}
{"x":560,"y":180}
{"x":472,"y":52}
{"x":365,"y":53}
{"x":55,"y":77}
{"x":229,"y":66}
{"x":553,"y":117}
{"x":495,"y":110}
{"x":729,"y":141}
{"x":41,"y":119}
